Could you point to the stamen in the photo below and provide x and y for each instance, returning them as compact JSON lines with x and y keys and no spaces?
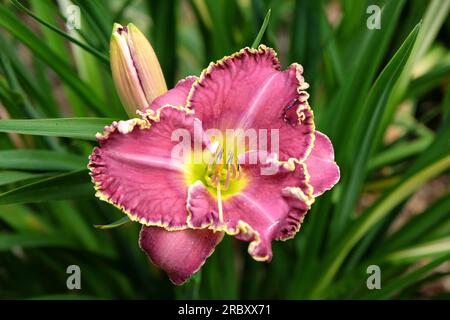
{"x":219,"y":174}
{"x":219,"y":156}
{"x":227,"y":179}
{"x":213,"y":161}
{"x":219,"y":203}
{"x":210,"y":164}
{"x":218,"y":170}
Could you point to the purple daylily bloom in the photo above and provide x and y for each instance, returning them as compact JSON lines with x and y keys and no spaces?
{"x":186,"y":207}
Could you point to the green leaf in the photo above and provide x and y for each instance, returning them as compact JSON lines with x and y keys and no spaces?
{"x":89,"y":49}
{"x":424,"y":250}
{"x":73,"y":223}
{"x":431,"y":163}
{"x":122,"y":221}
{"x":429,"y":80}
{"x":374,"y":214}
{"x":49,"y":12}
{"x":98,"y":17}
{"x":78,"y":128}
{"x":365,"y":60}
{"x":40,"y":91}
{"x":34,"y":240}
{"x":375,"y":105}
{"x":418,"y":226}
{"x":218,"y":275}
{"x":23,"y":219}
{"x":399,"y":152}
{"x":330,"y":48}
{"x":40,"y":160}
{"x":305,"y":46}
{"x":446,"y":104}
{"x":215,"y":16}
{"x":433,"y":19}
{"x":164,"y":35}
{"x":11,"y":23}
{"x":258,"y":38}
{"x":7,"y":177}
{"x":65,"y":186}
{"x":353,"y":18}
{"x":190,"y":290}
{"x":397,"y":284}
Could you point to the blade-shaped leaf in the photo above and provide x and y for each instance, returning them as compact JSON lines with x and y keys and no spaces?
{"x":40,"y":160}
{"x":78,"y":128}
{"x":11,"y":23}
{"x":262,"y":30}
{"x":23,"y":219}
{"x":115,"y":224}
{"x":89,"y":49}
{"x":31,"y":240}
{"x":419,"y":225}
{"x":435,"y":15}
{"x":65,"y":186}
{"x":424,"y":250}
{"x":407,"y":186}
{"x":7,"y":177}
{"x":407,"y":279}
{"x":375,"y":104}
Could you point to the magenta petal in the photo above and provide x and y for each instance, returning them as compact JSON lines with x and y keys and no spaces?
{"x":271,"y":207}
{"x":179,"y":253}
{"x":323,"y":171}
{"x":133,"y":169}
{"x":176,"y":96}
{"x":248,"y":90}
{"x":226,"y":89}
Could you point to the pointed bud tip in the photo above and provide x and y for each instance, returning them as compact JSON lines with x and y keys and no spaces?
{"x":119,"y":29}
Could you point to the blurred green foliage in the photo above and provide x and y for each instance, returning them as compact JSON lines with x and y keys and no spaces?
{"x":382,"y":95}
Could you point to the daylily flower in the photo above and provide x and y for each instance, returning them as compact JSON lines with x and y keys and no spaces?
{"x":186,"y":205}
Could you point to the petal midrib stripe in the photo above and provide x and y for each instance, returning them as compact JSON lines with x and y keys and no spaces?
{"x":147,"y":160}
{"x":247,"y":119}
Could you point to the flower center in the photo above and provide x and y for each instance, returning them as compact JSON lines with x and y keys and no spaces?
{"x":221,"y":174}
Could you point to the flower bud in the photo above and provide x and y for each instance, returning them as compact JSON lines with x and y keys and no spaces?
{"x":135,"y":68}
